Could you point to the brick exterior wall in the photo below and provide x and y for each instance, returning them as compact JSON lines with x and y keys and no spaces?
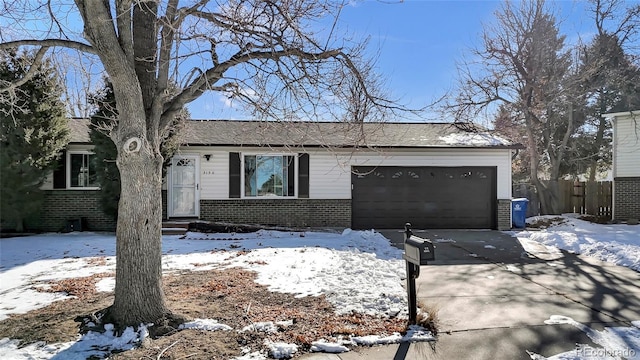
{"x":626,"y":198}
{"x":62,"y":205}
{"x":279,"y":212}
{"x":504,"y":214}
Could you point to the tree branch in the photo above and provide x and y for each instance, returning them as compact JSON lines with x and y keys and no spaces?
{"x":50,"y":43}
{"x":33,"y":70}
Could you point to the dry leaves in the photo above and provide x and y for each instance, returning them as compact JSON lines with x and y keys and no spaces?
{"x":81,"y":287}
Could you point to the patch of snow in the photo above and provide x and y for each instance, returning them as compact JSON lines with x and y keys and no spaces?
{"x":489,"y":247}
{"x":267,"y":327}
{"x":205,"y":324}
{"x":107,"y":284}
{"x":363,"y":258}
{"x":92,"y":344}
{"x":417,"y":333}
{"x":444,"y":240}
{"x":615,"y":342}
{"x":615,"y":243}
{"x":328,"y":347}
{"x":370,"y":340}
{"x":280,"y":350}
{"x":256,"y":355}
{"x":11,"y":349}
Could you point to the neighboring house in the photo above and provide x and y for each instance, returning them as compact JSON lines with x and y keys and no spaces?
{"x":314,"y":174}
{"x":626,"y":165}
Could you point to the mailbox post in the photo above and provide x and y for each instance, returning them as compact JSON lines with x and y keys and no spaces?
{"x":417,"y":251}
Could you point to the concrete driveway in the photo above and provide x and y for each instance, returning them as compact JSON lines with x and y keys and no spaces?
{"x":494,"y":297}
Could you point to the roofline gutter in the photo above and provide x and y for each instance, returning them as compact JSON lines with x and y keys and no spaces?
{"x":492,"y":147}
{"x":500,"y":147}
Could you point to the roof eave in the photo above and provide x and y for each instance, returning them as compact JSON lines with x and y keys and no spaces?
{"x":621,"y":114}
{"x":512,"y":146}
{"x":80,"y":143}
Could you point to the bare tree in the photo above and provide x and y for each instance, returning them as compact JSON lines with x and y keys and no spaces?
{"x":83,"y":77}
{"x":522,"y":65}
{"x":271,"y":55}
{"x":609,"y":76}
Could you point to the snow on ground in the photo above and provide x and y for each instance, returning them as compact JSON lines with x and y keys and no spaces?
{"x":94,"y":344}
{"x":616,"y":342}
{"x":356,"y":270}
{"x":617,"y":243}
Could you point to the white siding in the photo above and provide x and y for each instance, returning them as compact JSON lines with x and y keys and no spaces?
{"x":330,"y":176}
{"x":626,"y":146}
{"x":214,"y":173}
{"x":330,"y":172}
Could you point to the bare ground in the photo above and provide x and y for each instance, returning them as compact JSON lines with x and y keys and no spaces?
{"x":231,"y":297}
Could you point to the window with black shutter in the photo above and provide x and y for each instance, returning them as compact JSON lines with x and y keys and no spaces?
{"x":303,"y":175}
{"x":234,"y":175}
{"x":60,"y":172}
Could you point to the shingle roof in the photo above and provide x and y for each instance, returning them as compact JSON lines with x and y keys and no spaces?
{"x":331,"y":134}
{"x":79,"y":130}
{"x":262,"y":133}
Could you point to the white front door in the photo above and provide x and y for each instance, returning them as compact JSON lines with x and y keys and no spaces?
{"x":183,"y":192}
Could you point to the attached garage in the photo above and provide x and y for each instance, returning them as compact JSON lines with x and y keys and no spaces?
{"x":427,"y":197}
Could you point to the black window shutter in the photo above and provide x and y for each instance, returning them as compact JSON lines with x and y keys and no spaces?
{"x":291,"y":176}
{"x":234,"y":175}
{"x":303,"y":175}
{"x":60,"y":172}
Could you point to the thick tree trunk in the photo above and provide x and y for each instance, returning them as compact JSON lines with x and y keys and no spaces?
{"x":139,"y":297}
{"x":593,"y":168}
{"x":532,"y":147}
{"x":552,"y":189}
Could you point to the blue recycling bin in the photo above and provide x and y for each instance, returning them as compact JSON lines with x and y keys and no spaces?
{"x":519,"y":212}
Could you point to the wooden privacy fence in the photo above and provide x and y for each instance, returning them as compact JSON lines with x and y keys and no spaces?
{"x":582,"y":197}
{"x":586,"y":197}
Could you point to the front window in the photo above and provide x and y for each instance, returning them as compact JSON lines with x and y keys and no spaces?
{"x":269,"y":175}
{"x":82,"y":173}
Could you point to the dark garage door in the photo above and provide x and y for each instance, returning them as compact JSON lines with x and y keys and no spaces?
{"x":427,"y":197}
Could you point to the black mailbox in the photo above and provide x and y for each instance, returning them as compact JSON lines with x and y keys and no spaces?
{"x":418,"y":251}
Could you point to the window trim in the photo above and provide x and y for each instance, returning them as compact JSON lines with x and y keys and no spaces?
{"x":281,"y":154}
{"x":68,"y":170}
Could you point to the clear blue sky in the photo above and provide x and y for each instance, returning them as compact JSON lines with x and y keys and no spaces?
{"x":419,"y":42}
